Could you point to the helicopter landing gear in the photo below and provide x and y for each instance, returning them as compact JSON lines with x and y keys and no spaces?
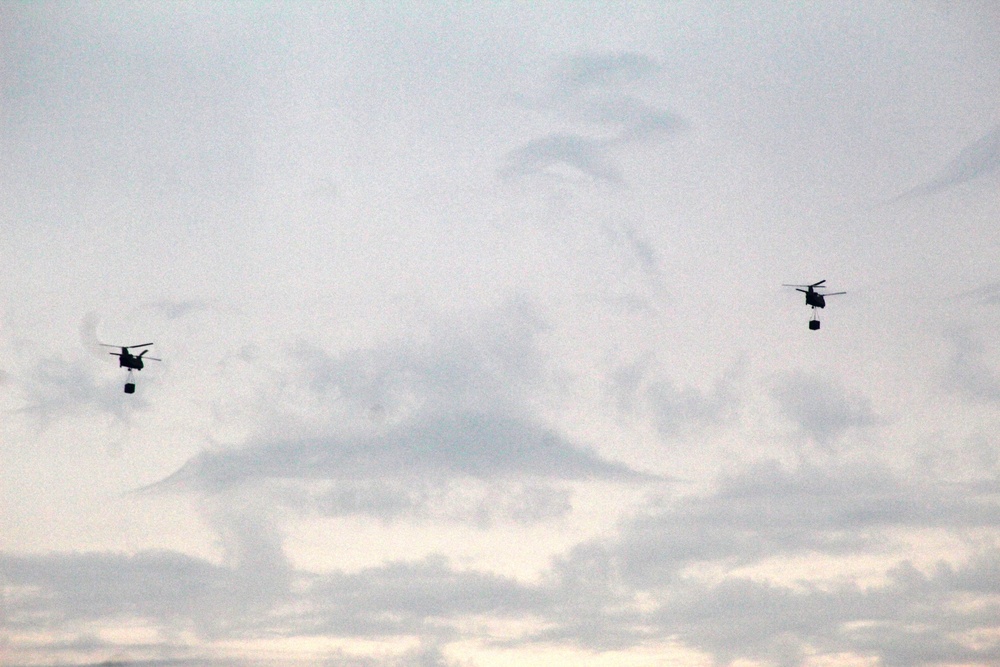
{"x":130,"y":383}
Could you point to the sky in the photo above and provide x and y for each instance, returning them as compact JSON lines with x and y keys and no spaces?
{"x":475,"y":349}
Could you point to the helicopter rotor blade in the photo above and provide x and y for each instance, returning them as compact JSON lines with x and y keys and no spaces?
{"x":801,"y":290}
{"x":817,"y":284}
{"x":787,"y":285}
{"x":834,"y":293}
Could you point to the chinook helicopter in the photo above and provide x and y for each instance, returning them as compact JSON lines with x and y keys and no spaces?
{"x":133,"y":362}
{"x":814,"y":298}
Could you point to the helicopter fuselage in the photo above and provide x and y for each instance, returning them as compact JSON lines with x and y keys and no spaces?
{"x":135,"y":363}
{"x":128,"y":360}
{"x":815,"y":299}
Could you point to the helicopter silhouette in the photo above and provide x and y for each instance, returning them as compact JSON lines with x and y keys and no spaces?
{"x":133,"y":362}
{"x":814,"y":298}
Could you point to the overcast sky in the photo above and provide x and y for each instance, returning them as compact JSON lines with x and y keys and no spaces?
{"x":475,"y":349}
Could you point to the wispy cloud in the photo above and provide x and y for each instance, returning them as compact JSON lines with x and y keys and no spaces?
{"x":55,"y":387}
{"x":987,"y":295}
{"x":603,"y":91}
{"x":455,"y":445}
{"x":978,"y":159}
{"x":459,"y":435}
{"x":644,"y":583}
{"x":588,"y":156}
{"x":820,"y":408}
{"x":968,"y":372}
{"x":610,"y":71}
{"x":676,"y":410}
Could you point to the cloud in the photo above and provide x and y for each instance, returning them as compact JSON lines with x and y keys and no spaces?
{"x":424,"y":597}
{"x":489,"y":364}
{"x":637,"y":121}
{"x":636,"y":250}
{"x":482,"y":503}
{"x":768,"y":510}
{"x":56,"y":387}
{"x":173,"y":593}
{"x":822,"y":410}
{"x":603,"y":91}
{"x":987,"y":295}
{"x":644,"y":583}
{"x":978,"y":159}
{"x":968,"y":373}
{"x":458,"y":445}
{"x":676,"y":410}
{"x":455,"y":435}
{"x":588,"y":156}
{"x":648,"y":582}
{"x":912,"y":619}
{"x":59,"y":590}
{"x":609,"y":71}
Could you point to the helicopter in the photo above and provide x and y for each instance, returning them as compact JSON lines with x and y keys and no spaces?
{"x":133,"y":362}
{"x":814,"y":299}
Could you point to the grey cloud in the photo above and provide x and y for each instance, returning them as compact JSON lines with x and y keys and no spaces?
{"x":62,"y":589}
{"x":978,"y":159}
{"x":588,"y":156}
{"x":457,"y":436}
{"x":676,"y":410}
{"x":590,"y":599}
{"x":601,"y":90}
{"x":473,"y":445}
{"x":913,"y":619}
{"x":171,"y":590}
{"x":482,"y":504}
{"x":820,"y":408}
{"x":968,"y":372}
{"x":56,"y":387}
{"x":987,"y":295}
{"x":637,"y":120}
{"x":636,"y":250}
{"x":490,"y":364}
{"x":67,"y":593}
{"x":591,"y":156}
{"x":618,"y":592}
{"x":606,"y":71}
{"x":767,"y":511}
{"x":424,"y":597}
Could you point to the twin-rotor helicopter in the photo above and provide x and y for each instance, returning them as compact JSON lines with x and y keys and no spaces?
{"x":133,"y":362}
{"x":815,"y":298}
